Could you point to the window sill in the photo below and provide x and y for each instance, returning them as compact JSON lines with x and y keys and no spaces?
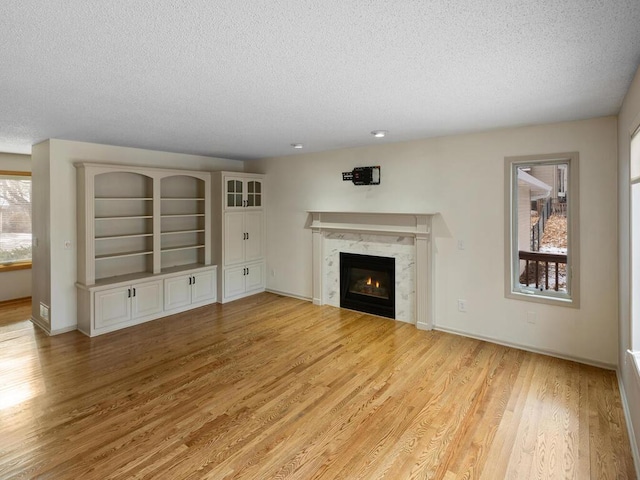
{"x":15,"y":266}
{"x":546,"y":299}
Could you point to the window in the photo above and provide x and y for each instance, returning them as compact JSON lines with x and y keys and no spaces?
{"x":15,"y":220}
{"x":635,"y":241}
{"x":541,"y":231}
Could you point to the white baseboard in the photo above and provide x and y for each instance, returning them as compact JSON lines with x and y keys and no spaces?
{"x":45,"y":328}
{"x":551,"y":353}
{"x":59,"y":331}
{"x":627,"y":415}
{"x":40,"y":324}
{"x":285,"y":294}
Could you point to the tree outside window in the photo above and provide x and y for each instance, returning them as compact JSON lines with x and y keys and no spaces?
{"x":541,"y":228}
{"x":15,"y":220}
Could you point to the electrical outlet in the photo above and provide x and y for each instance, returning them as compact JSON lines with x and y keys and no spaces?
{"x":273,"y":272}
{"x":461,"y":245}
{"x":462,"y":305}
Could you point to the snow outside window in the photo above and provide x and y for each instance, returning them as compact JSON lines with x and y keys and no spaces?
{"x":15,"y":220}
{"x":541,"y":212}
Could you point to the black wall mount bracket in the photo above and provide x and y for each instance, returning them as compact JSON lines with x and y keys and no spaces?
{"x":363,"y":176}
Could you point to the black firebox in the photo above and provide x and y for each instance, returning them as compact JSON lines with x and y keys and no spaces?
{"x":367,"y":284}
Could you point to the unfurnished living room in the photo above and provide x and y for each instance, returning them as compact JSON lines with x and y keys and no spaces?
{"x":338,"y":240}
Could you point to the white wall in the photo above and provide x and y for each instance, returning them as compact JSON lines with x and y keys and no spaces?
{"x":60,"y":155}
{"x":461,"y":177}
{"x":628,"y":121}
{"x":41,"y":221}
{"x":16,"y":283}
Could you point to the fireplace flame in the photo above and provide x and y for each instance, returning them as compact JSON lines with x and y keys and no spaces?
{"x":377,"y":284}
{"x":369,"y":281}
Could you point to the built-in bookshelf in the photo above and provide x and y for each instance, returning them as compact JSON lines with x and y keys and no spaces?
{"x":183,"y":213}
{"x":139,"y":224}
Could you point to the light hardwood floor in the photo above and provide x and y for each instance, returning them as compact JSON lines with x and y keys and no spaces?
{"x":272,"y":387}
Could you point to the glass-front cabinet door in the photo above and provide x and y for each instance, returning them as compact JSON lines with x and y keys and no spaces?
{"x":254,"y":193}
{"x":243,"y":193}
{"x":235,"y":193}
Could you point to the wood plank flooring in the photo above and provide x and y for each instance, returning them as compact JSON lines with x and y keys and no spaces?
{"x":273,"y":387}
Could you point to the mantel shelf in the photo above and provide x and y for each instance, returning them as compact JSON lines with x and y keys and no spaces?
{"x":412,"y":224}
{"x":366,"y":228}
{"x":351,"y":212}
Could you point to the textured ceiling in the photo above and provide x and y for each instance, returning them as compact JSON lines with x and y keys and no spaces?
{"x":245,"y":79}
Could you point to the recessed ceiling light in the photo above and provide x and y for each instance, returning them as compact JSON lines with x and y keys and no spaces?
{"x":379,"y":133}
{"x":297,"y":145}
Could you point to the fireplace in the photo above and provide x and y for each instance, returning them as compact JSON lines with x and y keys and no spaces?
{"x":367,"y":284}
{"x":406,"y":237}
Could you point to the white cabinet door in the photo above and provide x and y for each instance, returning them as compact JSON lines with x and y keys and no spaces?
{"x":254,"y":279}
{"x":203,"y":286}
{"x":177,"y":292}
{"x":234,"y":281}
{"x":183,"y":290}
{"x":146,"y":299}
{"x":112,"y":306}
{"x":253,"y":245}
{"x":234,"y":238}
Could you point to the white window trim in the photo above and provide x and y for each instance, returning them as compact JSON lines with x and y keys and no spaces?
{"x":634,"y":324}
{"x":572,"y":297}
{"x":9,"y":267}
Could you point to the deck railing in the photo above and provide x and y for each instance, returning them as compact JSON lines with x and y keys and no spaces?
{"x":541,"y":258}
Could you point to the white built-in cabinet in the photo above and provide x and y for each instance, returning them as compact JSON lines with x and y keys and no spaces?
{"x":123,"y":304}
{"x":239,"y":244}
{"x":183,"y":290}
{"x":140,"y":229}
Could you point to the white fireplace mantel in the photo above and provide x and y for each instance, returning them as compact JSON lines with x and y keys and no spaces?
{"x":415,"y":225}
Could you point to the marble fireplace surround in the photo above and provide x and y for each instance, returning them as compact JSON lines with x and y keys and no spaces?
{"x":405,"y":236}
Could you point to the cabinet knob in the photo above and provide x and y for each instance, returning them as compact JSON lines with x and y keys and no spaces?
{"x":134,"y":292}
